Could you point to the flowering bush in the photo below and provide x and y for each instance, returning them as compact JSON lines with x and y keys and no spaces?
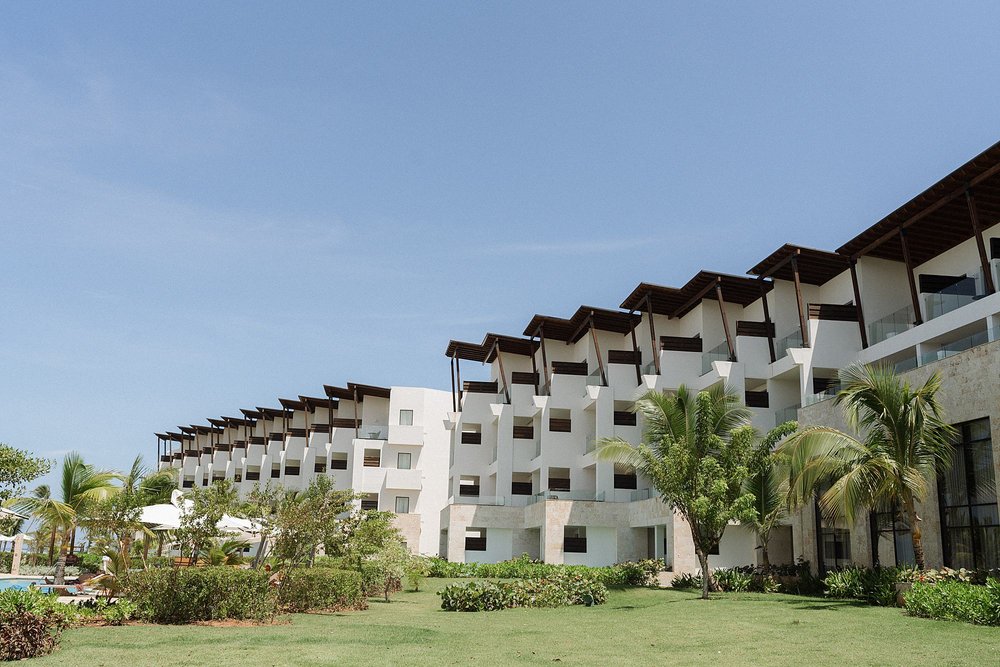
{"x":641,"y":573}
{"x":556,"y":591}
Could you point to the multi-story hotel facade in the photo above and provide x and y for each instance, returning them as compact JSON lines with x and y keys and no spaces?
{"x":515,"y":454}
{"x":388,"y":444}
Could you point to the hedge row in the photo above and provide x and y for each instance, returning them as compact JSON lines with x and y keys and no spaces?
{"x":307,"y":589}
{"x":188,"y":595}
{"x":956,"y":601}
{"x":641,"y":573}
{"x":561,"y":590}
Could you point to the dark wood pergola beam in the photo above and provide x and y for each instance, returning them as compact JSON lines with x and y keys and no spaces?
{"x":767,"y":321}
{"x":980,"y":244}
{"x":701,"y":295}
{"x":803,"y":324}
{"x":725,"y":322}
{"x":503,"y":375}
{"x":927,"y":211}
{"x":857,"y":304}
{"x":915,"y":300}
{"x":652,"y":332}
{"x":635,"y":353}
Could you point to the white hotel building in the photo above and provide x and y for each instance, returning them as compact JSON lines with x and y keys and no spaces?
{"x":386,"y":443}
{"x":507,"y":461}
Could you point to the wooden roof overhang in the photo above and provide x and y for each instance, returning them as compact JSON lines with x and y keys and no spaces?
{"x":291,"y":404}
{"x":251,"y":414}
{"x":236,"y":421}
{"x":661,"y":300}
{"x":221,"y":423}
{"x":553,"y":328}
{"x":342,"y":393}
{"x":179,"y":437}
{"x":939,"y":218}
{"x":816,"y":267}
{"x":362,"y":390}
{"x":508,"y":344}
{"x":187,"y":430}
{"x":312,"y":402}
{"x":615,"y":321}
{"x":458,"y":349}
{"x":741,"y":290}
{"x":271,"y":413}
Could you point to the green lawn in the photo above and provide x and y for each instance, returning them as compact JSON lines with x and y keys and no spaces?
{"x":647,"y":626}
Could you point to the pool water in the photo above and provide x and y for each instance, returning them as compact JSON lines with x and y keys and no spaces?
{"x":19,"y":584}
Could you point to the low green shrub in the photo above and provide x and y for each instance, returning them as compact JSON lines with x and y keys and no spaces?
{"x":556,"y":591}
{"x":955,"y":601}
{"x":733,"y":580}
{"x":30,"y":623}
{"x":641,"y":573}
{"x":313,"y":588}
{"x":875,"y":586}
{"x":686,"y":581}
{"x":190,"y":594}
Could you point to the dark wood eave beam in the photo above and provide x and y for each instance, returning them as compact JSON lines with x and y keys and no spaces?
{"x":803,"y":322}
{"x":458,"y":376}
{"x":454,"y":404}
{"x":725,"y":321}
{"x":635,"y":350}
{"x":652,"y":332}
{"x":914,"y":299}
{"x":857,"y":304}
{"x":597,"y":348}
{"x":927,"y":211}
{"x":356,"y":424}
{"x":534,"y":367}
{"x":503,"y":375}
{"x":540,"y":332}
{"x":700,"y":295}
{"x":767,"y":320}
{"x":980,"y":244}
{"x":329,"y":430}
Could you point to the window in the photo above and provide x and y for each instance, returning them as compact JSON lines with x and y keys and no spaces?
{"x":292,"y":467}
{"x":369,"y":501}
{"x":625,"y":477}
{"x":406,"y":417}
{"x":475,"y":539}
{"x":468,"y":485}
{"x":403,"y":460}
{"x":892,"y":544}
{"x":834,"y":540}
{"x":575,"y":539}
{"x":253,"y":473}
{"x":970,"y":530}
{"x":188,"y":482}
{"x":373,"y":458}
{"x":338,"y":461}
{"x":238,"y":476}
{"x":402,"y":505}
{"x":319,"y":466}
{"x":275,"y":470}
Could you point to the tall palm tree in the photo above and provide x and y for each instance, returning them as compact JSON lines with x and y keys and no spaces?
{"x":904,"y":442}
{"x":698,"y":450}
{"x":80,"y":486}
{"x":769,"y":489}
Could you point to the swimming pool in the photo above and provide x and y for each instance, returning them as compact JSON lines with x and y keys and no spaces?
{"x":19,"y":584}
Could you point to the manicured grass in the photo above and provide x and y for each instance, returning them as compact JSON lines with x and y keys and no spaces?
{"x":635,"y":627}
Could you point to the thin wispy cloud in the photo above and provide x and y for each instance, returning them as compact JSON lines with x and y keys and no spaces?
{"x":570,"y":248}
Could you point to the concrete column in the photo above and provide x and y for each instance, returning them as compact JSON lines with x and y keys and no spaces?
{"x":15,"y":563}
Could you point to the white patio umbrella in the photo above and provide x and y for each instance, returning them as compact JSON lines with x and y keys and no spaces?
{"x":4,"y":512}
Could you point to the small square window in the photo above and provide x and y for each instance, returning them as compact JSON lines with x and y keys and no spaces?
{"x":402,"y":505}
{"x":403,"y":460}
{"x":406,"y":417}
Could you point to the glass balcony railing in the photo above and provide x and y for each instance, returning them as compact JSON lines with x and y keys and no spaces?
{"x":373,"y":432}
{"x":718,"y":353}
{"x":591,"y":443}
{"x":495,"y":501}
{"x":789,"y":414}
{"x":594,"y":379}
{"x":566,"y":495}
{"x":961,"y":345}
{"x":890,"y":325}
{"x":785,"y":343}
{"x":649,"y":369}
{"x":826,"y":394}
{"x":642,"y":494}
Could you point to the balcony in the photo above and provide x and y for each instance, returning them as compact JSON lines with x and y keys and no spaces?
{"x":524,"y":432}
{"x":789,"y":414}
{"x":952,"y":348}
{"x":553,"y":494}
{"x":579,"y":368}
{"x":895,"y":323}
{"x":787,"y":342}
{"x":624,"y":418}
{"x":575,"y":545}
{"x":560,"y":425}
{"x":475,"y":544}
{"x":398,"y":478}
{"x":373,"y":432}
{"x":471,"y":438}
{"x":492,"y":501}
{"x":718,"y":353}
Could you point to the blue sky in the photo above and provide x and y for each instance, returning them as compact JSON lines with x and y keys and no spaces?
{"x":204,"y":206}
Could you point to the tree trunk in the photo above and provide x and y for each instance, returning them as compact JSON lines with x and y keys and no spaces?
{"x":765,"y":561}
{"x":52,"y":548}
{"x":915,"y":533}
{"x":706,"y":574}
{"x":60,"y":578}
{"x":259,"y":556}
{"x":159,"y":543}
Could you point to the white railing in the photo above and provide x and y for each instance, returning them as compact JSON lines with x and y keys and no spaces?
{"x":718,"y":353}
{"x":785,"y":343}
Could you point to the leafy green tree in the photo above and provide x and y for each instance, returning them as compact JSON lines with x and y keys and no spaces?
{"x":364,"y":534}
{"x":904,"y":442}
{"x":114,"y":522}
{"x":769,"y":489}
{"x":698,"y":451}
{"x":81,"y":486}
{"x":224,"y":552}
{"x":309,"y":519}
{"x":17,"y":469}
{"x":389,"y":565}
{"x":199,"y":525}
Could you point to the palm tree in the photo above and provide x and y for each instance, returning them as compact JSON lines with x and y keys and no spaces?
{"x":769,"y":489}
{"x":80,"y":486}
{"x":905,"y":441}
{"x":697,"y":450}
